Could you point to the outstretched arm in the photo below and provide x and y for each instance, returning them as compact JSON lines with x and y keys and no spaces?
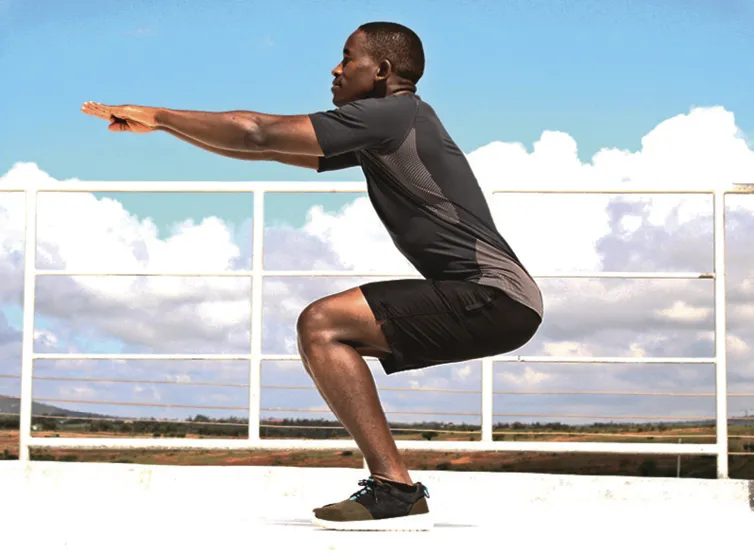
{"x":240,"y":135}
{"x":235,"y":130}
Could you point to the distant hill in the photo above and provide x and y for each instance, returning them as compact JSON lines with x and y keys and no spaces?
{"x":13,"y":405}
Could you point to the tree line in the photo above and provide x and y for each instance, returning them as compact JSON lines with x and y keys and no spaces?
{"x":202,"y":425}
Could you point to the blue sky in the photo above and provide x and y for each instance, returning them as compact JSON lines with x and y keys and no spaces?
{"x":603,"y":71}
{"x":607,"y":73}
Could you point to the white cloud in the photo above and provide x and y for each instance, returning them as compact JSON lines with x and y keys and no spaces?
{"x":358,"y":238}
{"x":737,"y":347}
{"x":530,"y":378}
{"x":462,"y":374}
{"x":566,"y":349}
{"x":635,"y":350}
{"x":683,"y":312}
{"x":46,"y":338}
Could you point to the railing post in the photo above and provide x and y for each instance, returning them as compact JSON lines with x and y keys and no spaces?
{"x":487,"y":399}
{"x":255,"y":362}
{"x":721,"y":368}
{"x":27,"y":346}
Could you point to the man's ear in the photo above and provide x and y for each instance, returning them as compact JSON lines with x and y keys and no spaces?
{"x":384,"y":69}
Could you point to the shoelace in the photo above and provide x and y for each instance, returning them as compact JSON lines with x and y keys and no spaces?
{"x":370,"y":486}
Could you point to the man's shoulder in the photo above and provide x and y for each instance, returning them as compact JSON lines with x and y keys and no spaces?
{"x":387,"y":102}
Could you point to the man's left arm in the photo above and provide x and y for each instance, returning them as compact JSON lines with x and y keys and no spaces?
{"x":244,"y":130}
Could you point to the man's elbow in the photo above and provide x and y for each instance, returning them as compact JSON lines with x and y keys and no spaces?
{"x":255,"y":138}
{"x":283,"y":134}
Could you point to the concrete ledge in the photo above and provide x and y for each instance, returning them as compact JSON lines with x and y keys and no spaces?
{"x":85,"y":503}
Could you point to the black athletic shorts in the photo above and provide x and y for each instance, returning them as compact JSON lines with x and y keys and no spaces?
{"x":429,"y":322}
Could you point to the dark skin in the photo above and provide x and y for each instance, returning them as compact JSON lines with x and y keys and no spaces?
{"x":335,"y":333}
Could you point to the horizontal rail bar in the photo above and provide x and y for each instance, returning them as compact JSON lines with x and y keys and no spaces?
{"x":632,"y":393}
{"x":604,"y":360}
{"x":355,"y":273}
{"x":660,"y":417}
{"x":601,"y":434}
{"x":136,"y":356}
{"x":379,"y":388}
{"x":553,"y":275}
{"x":438,"y":413}
{"x":348,"y":187}
{"x":392,"y":427}
{"x":203,"y":187}
{"x":345,"y":444}
{"x":142,"y":273}
{"x":742,"y":188}
{"x":557,"y":359}
{"x":271,"y":357}
{"x":137,"y":381}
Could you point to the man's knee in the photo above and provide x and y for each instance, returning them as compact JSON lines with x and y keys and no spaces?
{"x":314,"y":325}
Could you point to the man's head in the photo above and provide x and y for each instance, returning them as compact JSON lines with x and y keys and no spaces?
{"x":379,"y":59}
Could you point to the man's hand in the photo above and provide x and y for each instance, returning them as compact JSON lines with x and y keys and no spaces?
{"x":123,"y":118}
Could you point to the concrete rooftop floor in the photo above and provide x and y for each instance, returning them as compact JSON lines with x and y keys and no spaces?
{"x":105,"y":510}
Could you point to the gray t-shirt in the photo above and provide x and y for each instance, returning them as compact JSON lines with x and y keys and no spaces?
{"x":424,"y":191}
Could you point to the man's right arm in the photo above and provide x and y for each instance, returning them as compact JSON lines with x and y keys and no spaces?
{"x":306,"y":161}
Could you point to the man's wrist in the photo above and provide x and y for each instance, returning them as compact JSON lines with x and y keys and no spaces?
{"x":161,"y":118}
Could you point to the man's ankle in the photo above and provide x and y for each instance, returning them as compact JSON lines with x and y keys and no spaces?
{"x":397,"y":481}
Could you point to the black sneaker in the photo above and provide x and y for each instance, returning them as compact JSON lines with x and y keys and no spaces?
{"x":378,"y":506}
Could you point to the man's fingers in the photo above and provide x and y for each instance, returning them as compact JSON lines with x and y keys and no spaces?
{"x":93,"y":109}
{"x":122,"y":118}
{"x":95,"y":106}
{"x":97,"y":109}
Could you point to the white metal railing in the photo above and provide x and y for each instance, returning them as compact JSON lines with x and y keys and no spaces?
{"x":255,"y":355}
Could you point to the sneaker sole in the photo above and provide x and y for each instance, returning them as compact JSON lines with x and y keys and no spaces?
{"x":419,"y":522}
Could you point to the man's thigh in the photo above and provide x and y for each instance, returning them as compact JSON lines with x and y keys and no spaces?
{"x":423,"y":320}
{"x":429,"y":323}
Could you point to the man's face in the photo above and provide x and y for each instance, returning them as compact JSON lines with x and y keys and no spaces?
{"x":355,"y":76}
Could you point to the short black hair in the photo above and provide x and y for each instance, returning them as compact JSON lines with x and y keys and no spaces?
{"x":398,"y":44}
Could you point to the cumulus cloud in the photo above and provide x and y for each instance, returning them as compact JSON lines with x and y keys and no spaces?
{"x":561,"y":232}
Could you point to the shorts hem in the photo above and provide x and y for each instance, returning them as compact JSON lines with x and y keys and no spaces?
{"x":394,"y":362}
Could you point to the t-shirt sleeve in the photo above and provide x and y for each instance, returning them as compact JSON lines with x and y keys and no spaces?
{"x":363,"y":124}
{"x":337,"y":162}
